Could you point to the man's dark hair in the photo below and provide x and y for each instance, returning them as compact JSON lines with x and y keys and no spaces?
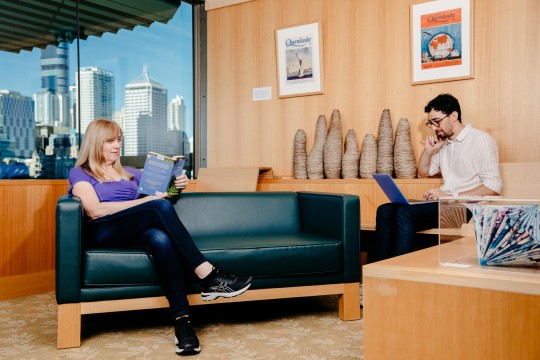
{"x":444,"y":103}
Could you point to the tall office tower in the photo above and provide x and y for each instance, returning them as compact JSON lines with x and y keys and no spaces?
{"x":176,"y":127}
{"x":17,"y":126}
{"x":52,"y":101}
{"x":97,"y":96}
{"x":145,"y":116}
{"x":176,"y":114}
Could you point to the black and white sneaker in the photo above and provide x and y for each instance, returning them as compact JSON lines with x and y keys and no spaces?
{"x":186,"y":340}
{"x":218,"y":283}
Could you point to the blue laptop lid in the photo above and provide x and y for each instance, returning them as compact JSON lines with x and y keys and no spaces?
{"x":390,"y":188}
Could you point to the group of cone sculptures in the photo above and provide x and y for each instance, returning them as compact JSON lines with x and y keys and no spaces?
{"x":383,"y":155}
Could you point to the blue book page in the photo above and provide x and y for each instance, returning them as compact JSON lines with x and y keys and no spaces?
{"x":156,"y":174}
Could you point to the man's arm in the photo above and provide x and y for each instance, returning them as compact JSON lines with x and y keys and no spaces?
{"x":431,"y":145}
{"x":481,"y":190}
{"x":424,"y":163}
{"x":487,"y":157}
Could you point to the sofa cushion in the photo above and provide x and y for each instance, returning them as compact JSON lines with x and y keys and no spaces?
{"x":274,"y":254}
{"x":104,"y":267}
{"x":271,"y":255}
{"x":210,"y":214}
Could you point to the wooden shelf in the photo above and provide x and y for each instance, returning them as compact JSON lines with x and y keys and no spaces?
{"x":371,"y":196}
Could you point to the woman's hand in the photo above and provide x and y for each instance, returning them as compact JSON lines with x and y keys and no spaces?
{"x":181,"y":182}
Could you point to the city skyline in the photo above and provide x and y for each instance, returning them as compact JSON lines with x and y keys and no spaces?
{"x":166,"y":52}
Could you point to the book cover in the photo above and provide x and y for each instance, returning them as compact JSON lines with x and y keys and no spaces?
{"x":159,"y":174}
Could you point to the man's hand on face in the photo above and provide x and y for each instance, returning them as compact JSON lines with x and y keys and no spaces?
{"x":433,"y":143}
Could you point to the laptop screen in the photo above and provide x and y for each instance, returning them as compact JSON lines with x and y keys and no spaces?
{"x":390,"y":188}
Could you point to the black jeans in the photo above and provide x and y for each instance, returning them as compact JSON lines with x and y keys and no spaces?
{"x":155,"y":227}
{"x":396,"y":227}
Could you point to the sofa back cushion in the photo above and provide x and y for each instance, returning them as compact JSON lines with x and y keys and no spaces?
{"x":216,"y":213}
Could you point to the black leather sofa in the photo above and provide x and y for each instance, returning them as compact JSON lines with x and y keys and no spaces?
{"x":294,"y":244}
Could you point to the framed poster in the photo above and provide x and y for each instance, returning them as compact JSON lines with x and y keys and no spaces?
{"x":299,"y":64}
{"x":442,"y":41}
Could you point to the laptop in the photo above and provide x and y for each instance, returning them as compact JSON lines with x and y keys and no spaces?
{"x":390,"y":188}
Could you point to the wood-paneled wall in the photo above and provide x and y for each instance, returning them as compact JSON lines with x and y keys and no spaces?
{"x":371,"y":195}
{"x":28,"y":225}
{"x":366,"y":62}
{"x":28,"y":235}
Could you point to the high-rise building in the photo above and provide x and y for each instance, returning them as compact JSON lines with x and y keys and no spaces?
{"x":176,"y":114}
{"x":145,"y":116}
{"x":55,"y":68}
{"x":177,"y":127}
{"x":52,"y":101}
{"x":97,"y":96}
{"x":17,"y":127}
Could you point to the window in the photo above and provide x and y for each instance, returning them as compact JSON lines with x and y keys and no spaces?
{"x":141,"y":78}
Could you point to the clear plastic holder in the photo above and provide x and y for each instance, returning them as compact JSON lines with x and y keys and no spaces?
{"x":492,"y":233}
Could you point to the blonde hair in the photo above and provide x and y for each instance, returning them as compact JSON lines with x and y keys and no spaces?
{"x":91,"y":157}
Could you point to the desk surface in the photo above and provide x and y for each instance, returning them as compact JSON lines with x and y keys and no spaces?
{"x":415,"y":308}
{"x":424,"y":266}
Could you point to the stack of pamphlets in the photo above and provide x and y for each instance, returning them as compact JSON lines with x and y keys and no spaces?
{"x":507,"y":234}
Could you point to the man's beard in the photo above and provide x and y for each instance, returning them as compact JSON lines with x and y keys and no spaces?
{"x":443,"y":135}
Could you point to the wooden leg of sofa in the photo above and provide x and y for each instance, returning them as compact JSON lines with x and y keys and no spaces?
{"x":69,"y":326}
{"x":349,"y":302}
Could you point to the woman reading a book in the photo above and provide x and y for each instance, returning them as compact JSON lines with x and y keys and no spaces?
{"x":117,"y":217}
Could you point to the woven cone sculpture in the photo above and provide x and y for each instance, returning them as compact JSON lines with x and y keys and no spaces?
{"x":368,"y":157}
{"x":333,"y":147}
{"x":300,"y":156}
{"x":349,"y":164}
{"x":385,"y":145}
{"x":315,"y":169}
{"x":404,"y":160}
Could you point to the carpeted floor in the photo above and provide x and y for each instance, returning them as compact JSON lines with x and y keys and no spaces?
{"x":305,"y":328}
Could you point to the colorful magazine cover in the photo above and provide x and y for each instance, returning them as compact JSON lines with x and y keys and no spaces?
{"x":507,"y":235}
{"x":441,"y":39}
{"x":299,"y":59}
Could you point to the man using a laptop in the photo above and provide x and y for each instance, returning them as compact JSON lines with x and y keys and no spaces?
{"x":467,"y":159}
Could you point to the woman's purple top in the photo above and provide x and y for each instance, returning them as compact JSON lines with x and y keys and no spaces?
{"x":122,"y":190}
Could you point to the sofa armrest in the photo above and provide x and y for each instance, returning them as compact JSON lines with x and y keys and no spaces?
{"x":69,"y":220}
{"x":336,"y":216}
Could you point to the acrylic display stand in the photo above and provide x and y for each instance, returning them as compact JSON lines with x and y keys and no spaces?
{"x":491,"y":233}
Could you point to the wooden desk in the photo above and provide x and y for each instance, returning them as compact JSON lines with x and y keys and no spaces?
{"x":416,"y":309}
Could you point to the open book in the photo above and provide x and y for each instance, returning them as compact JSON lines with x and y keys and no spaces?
{"x":159,"y":174}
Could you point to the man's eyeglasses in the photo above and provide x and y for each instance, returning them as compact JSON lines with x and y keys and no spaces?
{"x":435,"y":122}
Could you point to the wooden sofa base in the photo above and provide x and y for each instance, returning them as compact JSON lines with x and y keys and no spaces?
{"x":69,"y":315}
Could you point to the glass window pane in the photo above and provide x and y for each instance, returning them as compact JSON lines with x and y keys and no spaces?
{"x":142,"y":79}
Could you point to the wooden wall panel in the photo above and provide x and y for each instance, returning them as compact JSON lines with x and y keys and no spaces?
{"x":28,"y":225}
{"x":215,"y":4}
{"x":371,"y":195}
{"x":366,"y":59}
